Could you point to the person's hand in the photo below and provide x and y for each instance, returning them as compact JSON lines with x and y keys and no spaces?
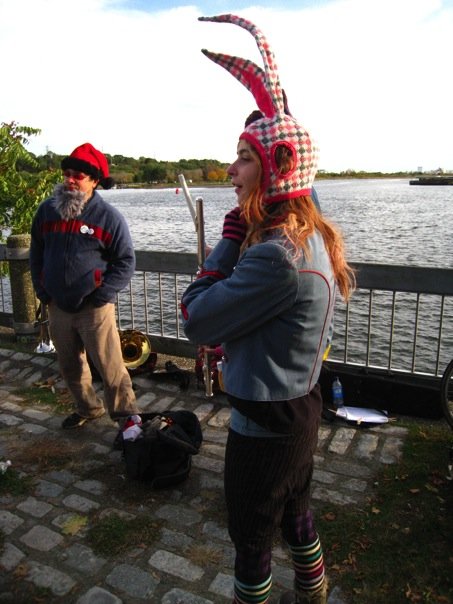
{"x":234,"y":226}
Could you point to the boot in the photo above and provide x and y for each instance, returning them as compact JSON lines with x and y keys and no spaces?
{"x":303,"y":597}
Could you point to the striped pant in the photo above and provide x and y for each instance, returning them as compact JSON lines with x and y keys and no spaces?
{"x":267,"y":488}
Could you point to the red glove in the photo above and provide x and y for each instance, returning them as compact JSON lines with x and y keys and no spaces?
{"x":234,"y":226}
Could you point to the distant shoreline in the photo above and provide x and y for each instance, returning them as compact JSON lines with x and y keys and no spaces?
{"x":319,"y":177}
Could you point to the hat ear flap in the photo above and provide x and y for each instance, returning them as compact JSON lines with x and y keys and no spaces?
{"x":248,"y":74}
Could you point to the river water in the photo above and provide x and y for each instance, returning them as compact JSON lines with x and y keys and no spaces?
{"x":386,"y":221}
{"x":383,"y":221}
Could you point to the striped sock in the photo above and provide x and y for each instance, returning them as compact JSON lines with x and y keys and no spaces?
{"x":308,"y":564}
{"x":252,"y":594}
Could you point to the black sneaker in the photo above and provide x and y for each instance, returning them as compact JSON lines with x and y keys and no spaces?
{"x":76,"y":421}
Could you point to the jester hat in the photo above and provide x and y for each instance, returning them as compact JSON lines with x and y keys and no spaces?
{"x":276,"y":127}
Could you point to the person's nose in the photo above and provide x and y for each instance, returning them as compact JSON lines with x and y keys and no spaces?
{"x":231,"y":169}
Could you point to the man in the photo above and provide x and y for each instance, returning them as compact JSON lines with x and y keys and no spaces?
{"x":81,"y":256}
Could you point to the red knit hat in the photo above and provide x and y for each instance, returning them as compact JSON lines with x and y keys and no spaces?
{"x":86,"y":158}
{"x":277,"y":127}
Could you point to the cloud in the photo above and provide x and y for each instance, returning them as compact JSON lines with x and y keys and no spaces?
{"x":370,"y":79}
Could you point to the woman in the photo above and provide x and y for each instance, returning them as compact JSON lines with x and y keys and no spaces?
{"x":267,"y":293}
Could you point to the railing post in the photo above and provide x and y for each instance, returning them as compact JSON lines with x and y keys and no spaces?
{"x":22,"y":292}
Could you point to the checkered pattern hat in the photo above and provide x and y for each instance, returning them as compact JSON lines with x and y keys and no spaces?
{"x":276,"y":127}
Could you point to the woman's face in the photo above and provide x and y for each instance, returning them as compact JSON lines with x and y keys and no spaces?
{"x":245,"y":171}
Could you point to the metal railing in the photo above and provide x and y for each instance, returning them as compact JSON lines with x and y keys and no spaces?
{"x":400,"y":318}
{"x":151,"y":303}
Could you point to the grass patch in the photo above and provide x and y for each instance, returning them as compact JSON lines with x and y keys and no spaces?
{"x":201,"y":555}
{"x":48,"y":396}
{"x":398,"y":548}
{"x":46,"y":454}
{"x":12,"y":483}
{"x":113,"y":535}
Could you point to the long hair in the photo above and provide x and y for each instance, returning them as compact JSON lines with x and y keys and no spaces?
{"x":297,"y":218}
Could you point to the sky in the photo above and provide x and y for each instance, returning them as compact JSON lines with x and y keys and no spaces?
{"x":371,"y":80}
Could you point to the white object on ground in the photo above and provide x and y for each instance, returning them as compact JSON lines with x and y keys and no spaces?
{"x":362,"y":415}
{"x":45,"y":347}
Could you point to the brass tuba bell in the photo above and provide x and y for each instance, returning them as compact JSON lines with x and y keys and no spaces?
{"x":135,"y":348}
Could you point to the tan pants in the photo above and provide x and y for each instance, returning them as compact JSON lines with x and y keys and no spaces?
{"x":92,"y":331}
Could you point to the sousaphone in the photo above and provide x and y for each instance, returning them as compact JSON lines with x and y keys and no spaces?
{"x":135,"y":348}
{"x":138,"y":358}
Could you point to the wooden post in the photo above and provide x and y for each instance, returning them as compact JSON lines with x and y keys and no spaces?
{"x":22,"y":292}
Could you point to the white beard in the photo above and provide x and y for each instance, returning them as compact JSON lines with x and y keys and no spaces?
{"x":69,"y":204}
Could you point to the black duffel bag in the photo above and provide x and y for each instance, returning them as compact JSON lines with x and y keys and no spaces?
{"x":163,"y":455}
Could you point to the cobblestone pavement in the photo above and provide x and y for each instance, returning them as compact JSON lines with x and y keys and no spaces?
{"x":46,"y":556}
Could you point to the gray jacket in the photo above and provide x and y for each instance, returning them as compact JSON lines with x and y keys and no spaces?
{"x":272,"y":315}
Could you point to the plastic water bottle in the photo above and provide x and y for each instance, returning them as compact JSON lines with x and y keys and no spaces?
{"x":337,"y":394}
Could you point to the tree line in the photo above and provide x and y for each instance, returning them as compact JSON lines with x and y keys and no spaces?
{"x":145,"y":170}
{"x":27,"y":179}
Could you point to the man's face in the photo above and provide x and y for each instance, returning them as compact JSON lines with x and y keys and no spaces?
{"x":79,"y":181}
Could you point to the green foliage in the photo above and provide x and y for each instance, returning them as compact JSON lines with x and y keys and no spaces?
{"x":13,"y":483}
{"x":153,"y":172}
{"x":22,"y":184}
{"x":44,"y":393}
